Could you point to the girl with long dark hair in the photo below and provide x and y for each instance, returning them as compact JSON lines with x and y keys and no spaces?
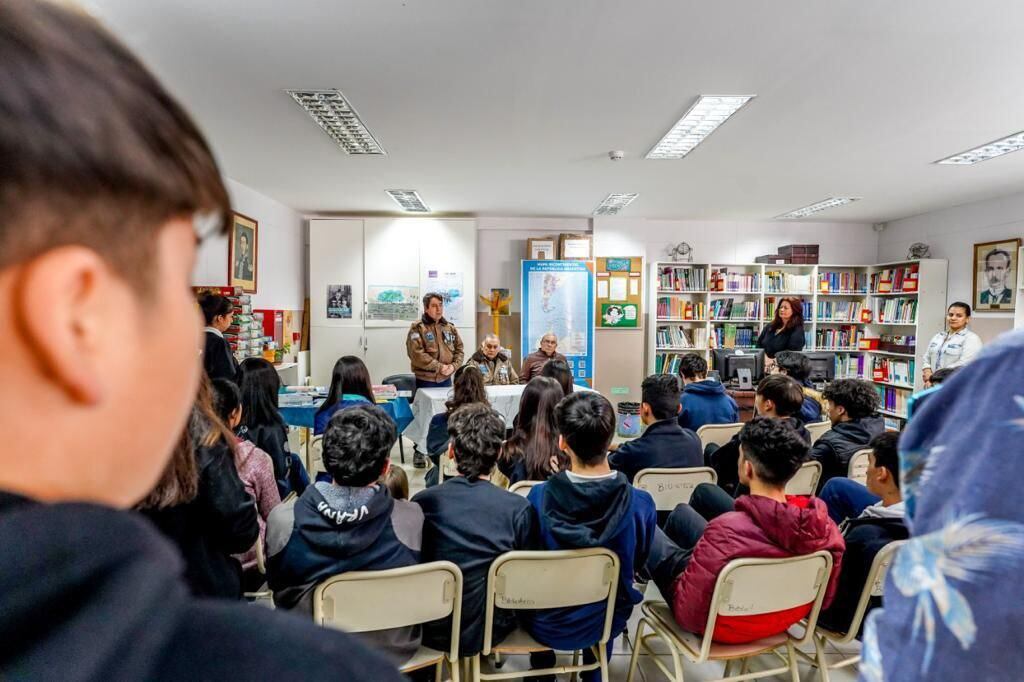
{"x":350,"y":385}
{"x":786,"y":331}
{"x":528,"y":454}
{"x":468,"y":388}
{"x":263,"y":425}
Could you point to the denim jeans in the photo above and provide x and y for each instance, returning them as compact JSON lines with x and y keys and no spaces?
{"x":846,"y":499}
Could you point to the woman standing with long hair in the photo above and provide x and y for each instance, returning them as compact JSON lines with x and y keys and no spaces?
{"x":528,"y":454}
{"x":786,"y":331}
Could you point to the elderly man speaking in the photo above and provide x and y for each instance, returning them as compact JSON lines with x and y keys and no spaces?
{"x":535,"y":360}
{"x":494,"y":364}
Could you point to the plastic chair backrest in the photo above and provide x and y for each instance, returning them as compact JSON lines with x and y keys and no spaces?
{"x":719,"y":434}
{"x":795,"y":581}
{"x":817,"y":429}
{"x":366,"y":601}
{"x":858,"y":470}
{"x":874,"y":586}
{"x":670,"y":487}
{"x":805,"y":482}
{"x":261,"y":555}
{"x":523,"y":488}
{"x":448,"y":469}
{"x":526,"y":581}
{"x":403,"y":382}
{"x":316,"y":456}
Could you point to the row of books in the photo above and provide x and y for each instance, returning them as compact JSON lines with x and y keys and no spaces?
{"x":846,"y":336}
{"x":904,"y":343}
{"x":734,"y":336}
{"x":682,"y":278}
{"x":849,"y":366}
{"x":674,"y":336}
{"x":892,"y":310}
{"x":893,"y":399}
{"x":728,"y":309}
{"x":723,"y":280}
{"x":681,"y":309}
{"x":668,"y":363}
{"x":770,"y":303}
{"x":782,"y":282}
{"x":843,"y":282}
{"x":893,"y":371}
{"x":840,"y":311}
{"x":895,"y":280}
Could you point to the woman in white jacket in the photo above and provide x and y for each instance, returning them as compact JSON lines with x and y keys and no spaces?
{"x":954,"y":347}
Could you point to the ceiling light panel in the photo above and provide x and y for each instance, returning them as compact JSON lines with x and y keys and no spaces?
{"x":831,"y":202}
{"x":409,"y":200}
{"x":333,"y":113}
{"x":613,"y":203}
{"x":709,"y":112}
{"x":985,"y":152}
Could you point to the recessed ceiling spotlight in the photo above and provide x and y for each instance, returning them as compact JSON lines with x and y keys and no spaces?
{"x":707,"y":113}
{"x":613,"y":203}
{"x":409,"y":200}
{"x":339,"y":119}
{"x":985,"y":152}
{"x":831,"y":202}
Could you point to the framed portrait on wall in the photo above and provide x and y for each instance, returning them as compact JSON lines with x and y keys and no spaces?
{"x":243,"y":247}
{"x":995,"y":275}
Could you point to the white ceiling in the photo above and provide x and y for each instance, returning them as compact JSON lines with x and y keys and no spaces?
{"x":509,"y":107}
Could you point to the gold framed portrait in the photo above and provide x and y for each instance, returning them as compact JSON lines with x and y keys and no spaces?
{"x":243,"y":251}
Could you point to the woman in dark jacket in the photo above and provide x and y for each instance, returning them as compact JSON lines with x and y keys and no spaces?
{"x":786,"y":332}
{"x":263,"y":425}
{"x":468,"y":388}
{"x":218,"y":360}
{"x":201,"y":505}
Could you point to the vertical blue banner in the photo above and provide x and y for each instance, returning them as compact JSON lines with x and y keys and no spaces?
{"x":558,"y":297}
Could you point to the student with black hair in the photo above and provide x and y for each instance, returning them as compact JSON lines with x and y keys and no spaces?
{"x":704,"y":401}
{"x":852,"y":407}
{"x":468,"y":388}
{"x":263,"y":425}
{"x":560,"y":372}
{"x":688,"y":556}
{"x":529,"y":452}
{"x":589,"y":505}
{"x":795,"y":364}
{"x":218,"y":360}
{"x":663,"y":443}
{"x":349,"y":524}
{"x":470,"y":521}
{"x":350,"y":385}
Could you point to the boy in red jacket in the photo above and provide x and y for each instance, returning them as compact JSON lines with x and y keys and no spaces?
{"x":688,"y":556}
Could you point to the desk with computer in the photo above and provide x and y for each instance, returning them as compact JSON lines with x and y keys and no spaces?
{"x":741,"y":369}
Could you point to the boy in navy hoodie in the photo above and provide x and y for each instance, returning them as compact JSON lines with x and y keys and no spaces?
{"x":704,"y":400}
{"x":350,"y":524}
{"x":589,"y":506}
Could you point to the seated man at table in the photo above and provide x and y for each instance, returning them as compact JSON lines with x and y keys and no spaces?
{"x":664,"y":443}
{"x":534,"y":361}
{"x":494,"y":363}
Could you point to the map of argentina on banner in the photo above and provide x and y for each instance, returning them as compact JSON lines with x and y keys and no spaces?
{"x":558,"y":297}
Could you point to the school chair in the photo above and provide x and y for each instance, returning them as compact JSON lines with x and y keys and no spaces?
{"x":739,"y":590}
{"x":264,"y":595}
{"x":805,"y":482}
{"x":547,"y":580}
{"x":522,"y":488}
{"x":670,"y":487}
{"x":316,"y":457}
{"x":817,"y":429}
{"x":719,"y":434}
{"x":367,"y":601}
{"x":858,"y":470}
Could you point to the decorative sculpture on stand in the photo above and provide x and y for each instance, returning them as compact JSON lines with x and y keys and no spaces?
{"x":919,"y":250}
{"x":498,"y":302}
{"x":681,"y":252}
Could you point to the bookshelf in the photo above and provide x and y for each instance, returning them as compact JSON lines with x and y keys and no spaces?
{"x":906,"y":300}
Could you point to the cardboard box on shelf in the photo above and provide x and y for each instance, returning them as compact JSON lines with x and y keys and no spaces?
{"x":542,"y":248}
{"x":575,"y":247}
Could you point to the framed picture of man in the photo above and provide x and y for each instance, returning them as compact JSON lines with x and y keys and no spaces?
{"x":995,"y":275}
{"x":243,"y":246}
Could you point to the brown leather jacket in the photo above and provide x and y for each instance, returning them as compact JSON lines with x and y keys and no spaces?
{"x":431,"y":344}
{"x":533,"y":362}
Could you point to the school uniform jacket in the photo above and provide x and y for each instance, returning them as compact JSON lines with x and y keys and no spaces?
{"x":218,"y":360}
{"x":430,"y":345}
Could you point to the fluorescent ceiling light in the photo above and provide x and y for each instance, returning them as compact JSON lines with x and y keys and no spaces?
{"x":709,"y":112}
{"x":985,"y":152}
{"x":613,"y":203}
{"x":409,"y":200}
{"x":333,"y":113}
{"x":831,"y":202}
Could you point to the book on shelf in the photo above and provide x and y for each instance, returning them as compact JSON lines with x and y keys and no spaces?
{"x":770,"y":303}
{"x":898,"y":280}
{"x":893,"y":371}
{"x":839,"y":311}
{"x":675,"y":336}
{"x":677,"y":308}
{"x":846,"y":336}
{"x":849,"y":366}
{"x":682,"y":278}
{"x":730,"y":309}
{"x":668,"y":363}
{"x":777,"y":282}
{"x":734,"y":336}
{"x":842,"y":282}
{"x":892,"y":424}
{"x":893,"y":399}
{"x":894,"y":310}
{"x":723,"y":280}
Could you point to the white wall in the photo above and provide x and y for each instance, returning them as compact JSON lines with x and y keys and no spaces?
{"x":952,"y":233}
{"x":281,"y":254}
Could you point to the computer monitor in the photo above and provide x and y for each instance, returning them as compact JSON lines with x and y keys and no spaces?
{"x":728,"y":362}
{"x":823,"y":367}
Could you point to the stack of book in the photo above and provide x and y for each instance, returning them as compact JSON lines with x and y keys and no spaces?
{"x":893,"y":371}
{"x":843,"y":282}
{"x":675,"y":308}
{"x":734,"y":336}
{"x":840,"y":338}
{"x":839,"y":311}
{"x":682,"y":278}
{"x":771,"y":303}
{"x":677,"y":337}
{"x":893,"y":399}
{"x":668,"y":363}
{"x":777,"y":282}
{"x":849,"y":366}
{"x":894,"y":310}
{"x":901,"y":280}
{"x":728,"y":309}
{"x":723,"y":280}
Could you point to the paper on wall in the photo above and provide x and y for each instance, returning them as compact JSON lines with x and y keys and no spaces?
{"x":617,"y":289}
{"x":448,"y":283}
{"x":602,"y":288}
{"x":634,"y":287}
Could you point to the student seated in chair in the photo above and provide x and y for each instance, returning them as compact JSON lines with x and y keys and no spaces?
{"x":870,"y":517}
{"x":688,"y":556}
{"x":350,"y":524}
{"x":704,"y":400}
{"x":777,"y":396}
{"x":590,"y":505}
{"x":470,"y":521}
{"x":664,"y":443}
{"x":795,"y":364}
{"x":852,"y":406}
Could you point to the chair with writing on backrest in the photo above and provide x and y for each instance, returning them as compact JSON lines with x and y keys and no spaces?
{"x":858,"y":470}
{"x":527,"y":581}
{"x":523,"y":488}
{"x":740,"y":591}
{"x":805,"y":481}
{"x":817,"y":429}
{"x":367,"y":601}
{"x":874,"y":586}
{"x":404,"y":383}
{"x":719,"y":434}
{"x":670,"y":487}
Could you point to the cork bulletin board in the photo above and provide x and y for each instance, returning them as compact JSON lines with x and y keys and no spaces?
{"x":618,"y":303}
